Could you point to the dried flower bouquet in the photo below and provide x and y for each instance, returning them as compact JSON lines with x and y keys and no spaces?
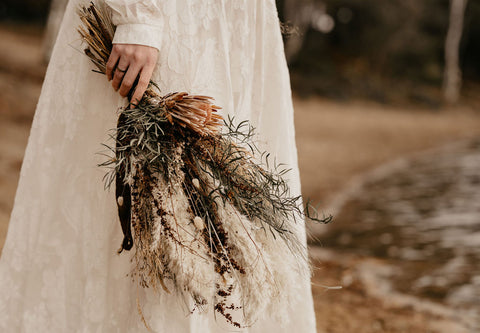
{"x":209,"y":221}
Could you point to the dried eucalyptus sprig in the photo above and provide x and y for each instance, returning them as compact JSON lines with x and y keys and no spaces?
{"x":210,"y":219}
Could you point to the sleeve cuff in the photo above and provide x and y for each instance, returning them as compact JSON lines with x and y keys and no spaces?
{"x":141,"y":34}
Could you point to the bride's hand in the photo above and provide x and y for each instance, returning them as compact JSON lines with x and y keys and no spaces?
{"x":126,"y":63}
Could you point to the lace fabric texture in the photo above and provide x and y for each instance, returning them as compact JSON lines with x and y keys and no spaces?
{"x":59,"y":270}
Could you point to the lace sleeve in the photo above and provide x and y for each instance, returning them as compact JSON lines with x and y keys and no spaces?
{"x":137,"y":21}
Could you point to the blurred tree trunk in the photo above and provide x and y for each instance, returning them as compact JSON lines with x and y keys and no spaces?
{"x":452,"y":79}
{"x":297,"y":13}
{"x":55,"y":16}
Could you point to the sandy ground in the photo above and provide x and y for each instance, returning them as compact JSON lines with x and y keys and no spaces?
{"x":337,"y":142}
{"x":340,"y":141}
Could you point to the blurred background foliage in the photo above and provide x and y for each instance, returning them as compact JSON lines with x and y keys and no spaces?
{"x":387,"y":51}
{"x":34,"y":11}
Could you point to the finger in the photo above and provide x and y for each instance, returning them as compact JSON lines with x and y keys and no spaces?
{"x":111,"y":63}
{"x":119,"y":73}
{"x":142,"y":84}
{"x":129,"y":79}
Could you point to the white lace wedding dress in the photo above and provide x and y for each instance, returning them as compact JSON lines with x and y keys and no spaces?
{"x":59,"y":270}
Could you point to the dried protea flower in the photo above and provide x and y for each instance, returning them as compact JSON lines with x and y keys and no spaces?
{"x":195,"y":112}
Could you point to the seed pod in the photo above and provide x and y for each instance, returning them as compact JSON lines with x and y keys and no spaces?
{"x":198,"y":222}
{"x":196,"y":183}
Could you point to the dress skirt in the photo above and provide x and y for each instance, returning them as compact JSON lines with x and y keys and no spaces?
{"x":59,"y":270}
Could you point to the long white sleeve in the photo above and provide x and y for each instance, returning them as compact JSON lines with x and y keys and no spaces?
{"x":138,"y":21}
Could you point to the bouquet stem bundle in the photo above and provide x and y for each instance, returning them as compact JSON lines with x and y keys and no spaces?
{"x":207,"y":219}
